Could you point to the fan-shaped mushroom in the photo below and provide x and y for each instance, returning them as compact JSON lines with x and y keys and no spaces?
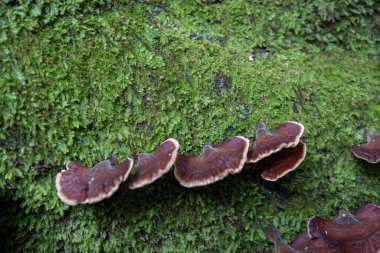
{"x":279,"y":164}
{"x":153,"y":166}
{"x":78,"y":184}
{"x":369,"y":151}
{"x":358,"y":233}
{"x":280,"y":151}
{"x":266,"y":143}
{"x":213,"y":164}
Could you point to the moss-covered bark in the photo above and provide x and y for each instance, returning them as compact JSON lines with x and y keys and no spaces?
{"x":122,"y":77}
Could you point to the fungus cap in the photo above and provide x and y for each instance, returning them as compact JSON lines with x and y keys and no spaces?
{"x":302,"y":243}
{"x":282,"y":162}
{"x":213,"y":164}
{"x":358,"y":233}
{"x":78,"y":184}
{"x":369,"y":151}
{"x":153,"y":166}
{"x":266,"y":143}
{"x":349,"y":233}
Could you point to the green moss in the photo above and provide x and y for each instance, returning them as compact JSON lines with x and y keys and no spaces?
{"x":100,"y":77}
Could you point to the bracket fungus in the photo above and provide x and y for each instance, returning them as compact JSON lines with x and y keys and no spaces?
{"x":358,"y":233}
{"x":281,"y":163}
{"x":153,"y":166}
{"x":266,"y":143}
{"x":369,"y":151}
{"x":301,"y":244}
{"x":213,"y":164}
{"x":78,"y":184}
{"x":281,"y":150}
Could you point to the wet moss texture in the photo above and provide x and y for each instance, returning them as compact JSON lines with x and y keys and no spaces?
{"x":82,"y":79}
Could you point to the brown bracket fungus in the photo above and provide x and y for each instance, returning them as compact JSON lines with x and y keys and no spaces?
{"x":213,"y":164}
{"x":301,"y":244}
{"x":78,"y":184}
{"x":282,"y":162}
{"x":358,"y":233}
{"x":153,"y":166}
{"x":370,"y":151}
{"x":281,"y":150}
{"x":266,"y":143}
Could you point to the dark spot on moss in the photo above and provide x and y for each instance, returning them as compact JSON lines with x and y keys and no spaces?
{"x":295,"y":107}
{"x":374,"y":56}
{"x":260,"y":52}
{"x":229,"y":130}
{"x":153,"y":79}
{"x":145,"y":97}
{"x":146,"y":125}
{"x":195,"y":36}
{"x":222,"y":82}
{"x":212,"y":2}
{"x":222,"y":40}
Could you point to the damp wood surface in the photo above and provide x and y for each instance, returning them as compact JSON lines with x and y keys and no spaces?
{"x":83,"y":79}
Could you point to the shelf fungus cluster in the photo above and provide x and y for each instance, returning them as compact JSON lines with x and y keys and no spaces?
{"x":281,"y":151}
{"x":349,"y":233}
{"x":370,"y":151}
